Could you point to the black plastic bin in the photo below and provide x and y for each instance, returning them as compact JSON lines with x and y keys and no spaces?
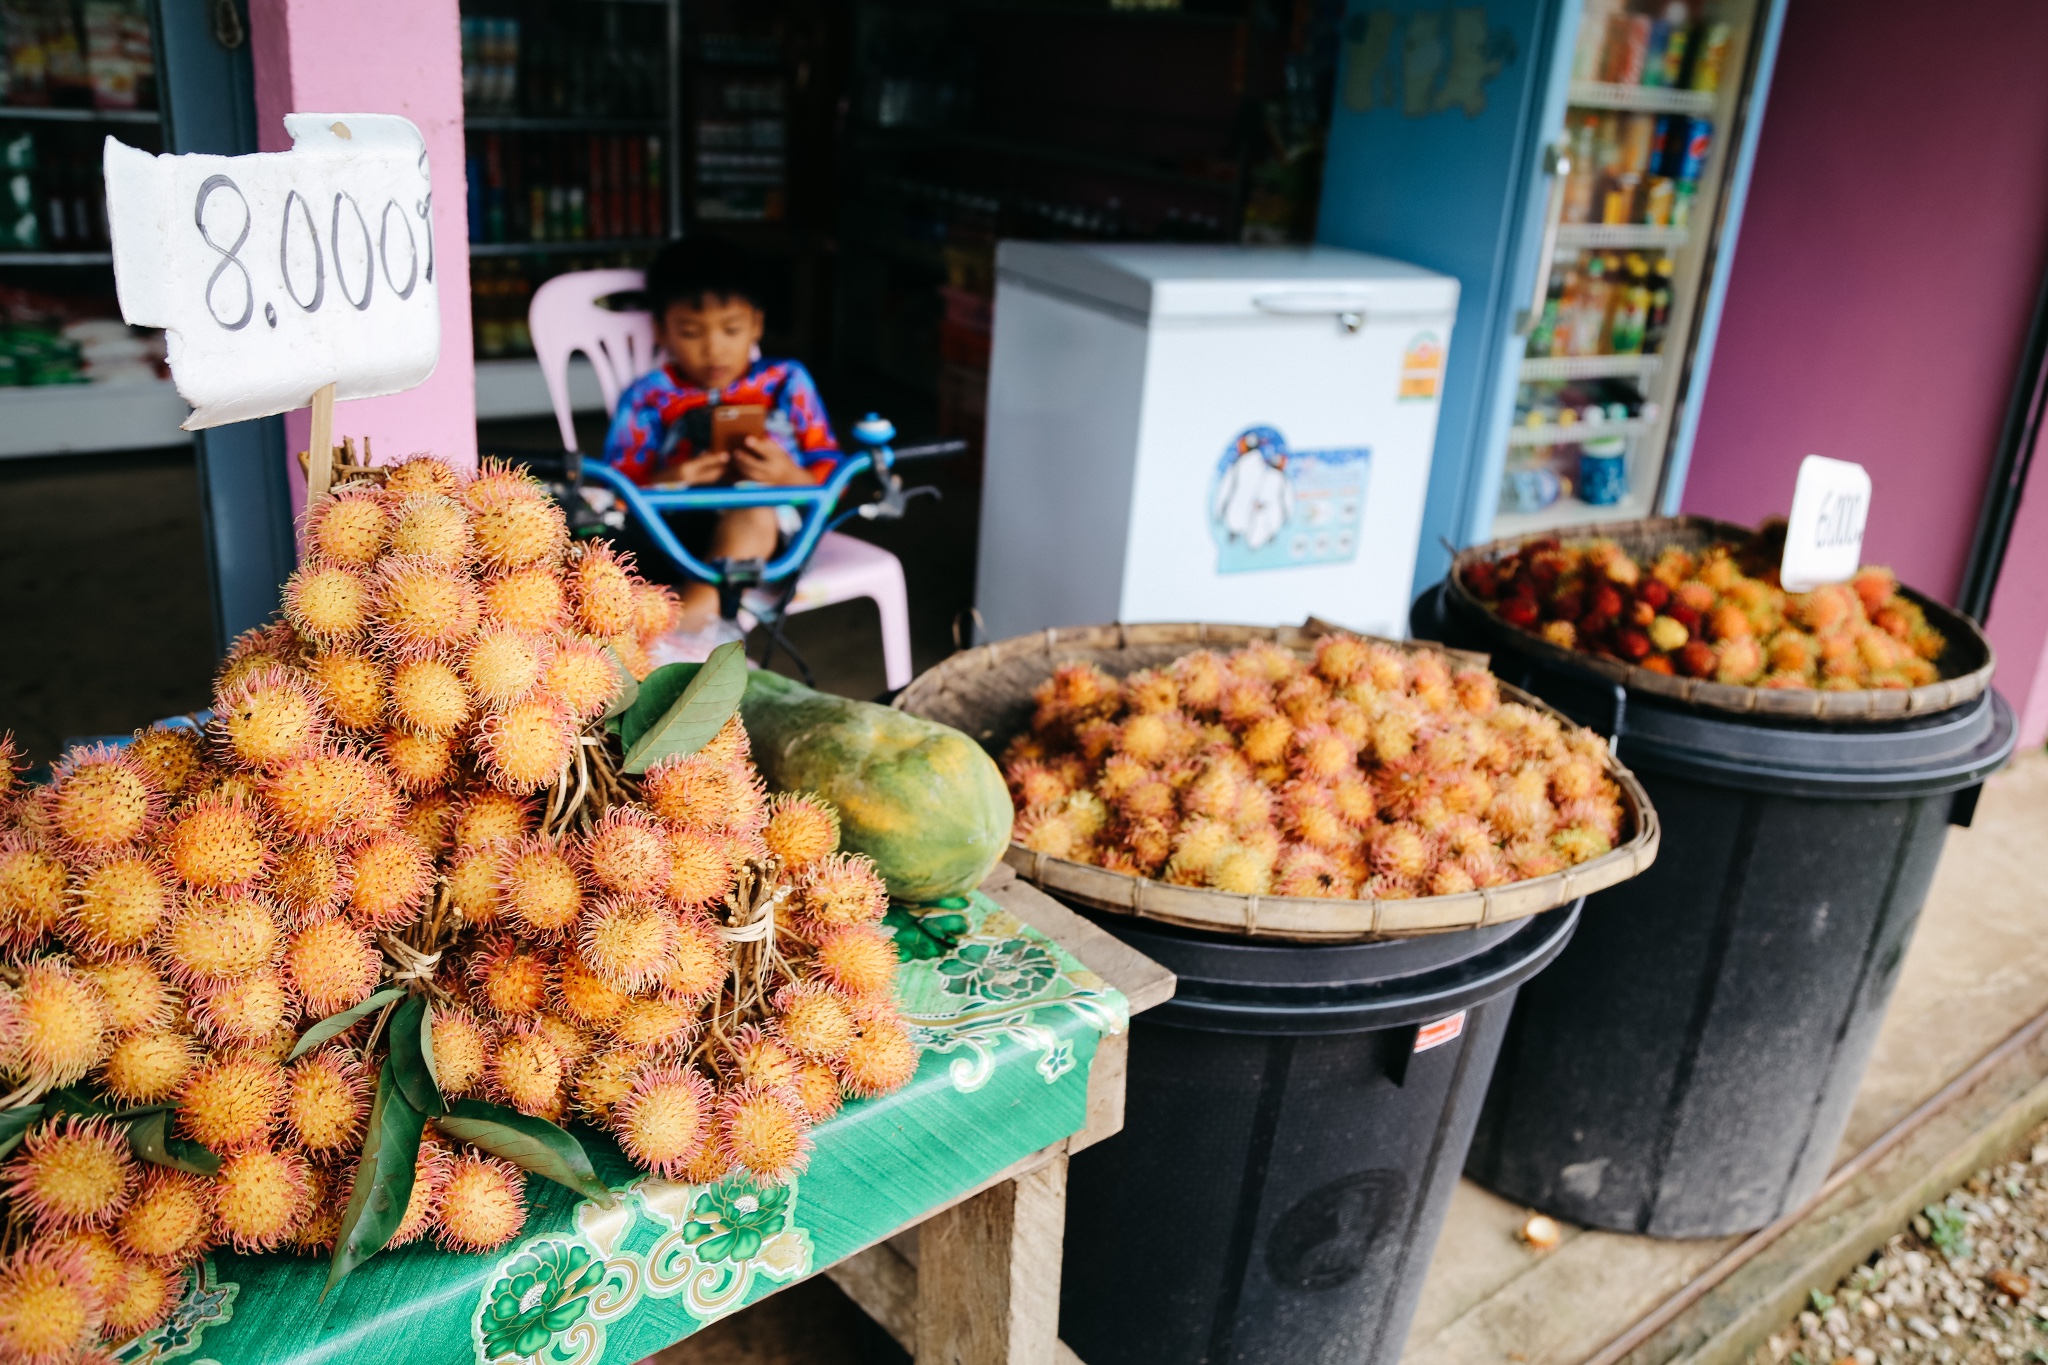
{"x":1687,"y":1067}
{"x":1295,"y":1120}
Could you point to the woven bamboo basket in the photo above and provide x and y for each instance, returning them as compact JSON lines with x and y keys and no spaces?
{"x":986,"y":692}
{"x":1965,"y":666}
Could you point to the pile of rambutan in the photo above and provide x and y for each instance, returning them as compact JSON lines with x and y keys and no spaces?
{"x":1368,"y":772}
{"x":399,"y":866}
{"x":1718,"y":613}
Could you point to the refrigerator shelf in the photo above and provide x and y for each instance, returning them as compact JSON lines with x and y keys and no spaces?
{"x":1568,"y":512}
{"x":1576,"y":236}
{"x":1590,"y":367}
{"x":1647,"y":99}
{"x":1576,"y":432}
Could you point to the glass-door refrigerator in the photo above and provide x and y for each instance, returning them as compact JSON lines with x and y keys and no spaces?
{"x":1580,"y":166}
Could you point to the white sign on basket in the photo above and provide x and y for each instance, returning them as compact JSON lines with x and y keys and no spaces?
{"x":277,"y":274}
{"x":1824,"y":534}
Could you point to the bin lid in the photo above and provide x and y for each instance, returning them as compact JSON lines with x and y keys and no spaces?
{"x":1176,"y":281}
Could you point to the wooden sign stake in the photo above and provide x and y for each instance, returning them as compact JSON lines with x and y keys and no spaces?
{"x":320,"y":450}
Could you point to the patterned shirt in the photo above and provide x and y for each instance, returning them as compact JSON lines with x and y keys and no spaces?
{"x":664,"y":419}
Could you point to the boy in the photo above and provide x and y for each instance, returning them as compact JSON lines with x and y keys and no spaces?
{"x":707,"y":319}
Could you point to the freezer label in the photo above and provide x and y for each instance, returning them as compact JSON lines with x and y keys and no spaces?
{"x":1275,"y":508}
{"x":1422,"y":369}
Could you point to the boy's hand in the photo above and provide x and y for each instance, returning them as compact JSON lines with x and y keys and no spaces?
{"x":764,"y":460}
{"x":698,"y":470}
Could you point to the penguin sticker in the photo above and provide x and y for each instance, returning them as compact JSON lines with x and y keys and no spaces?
{"x":1254,"y":498}
{"x":1273,"y":508}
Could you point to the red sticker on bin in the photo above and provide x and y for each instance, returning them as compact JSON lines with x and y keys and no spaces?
{"x":1439,"y":1033}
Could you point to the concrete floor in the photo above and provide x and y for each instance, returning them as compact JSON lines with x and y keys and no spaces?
{"x":1977,"y":970}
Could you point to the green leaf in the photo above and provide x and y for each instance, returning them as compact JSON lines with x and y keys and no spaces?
{"x":658,"y":691}
{"x":334,"y":1024}
{"x":412,"y":1056}
{"x":152,"y":1140}
{"x":705,"y":705}
{"x":530,"y":1143}
{"x":15,"y":1123}
{"x":376,"y":1204}
{"x":629,"y":686}
{"x":73,"y":1100}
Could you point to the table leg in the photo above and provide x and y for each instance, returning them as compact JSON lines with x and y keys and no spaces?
{"x":988,"y":1282}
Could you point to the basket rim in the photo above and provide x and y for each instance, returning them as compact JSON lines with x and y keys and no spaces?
{"x":1306,"y":919}
{"x":1865,"y":704}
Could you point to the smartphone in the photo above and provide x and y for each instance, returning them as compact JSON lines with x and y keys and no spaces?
{"x":732,"y":425}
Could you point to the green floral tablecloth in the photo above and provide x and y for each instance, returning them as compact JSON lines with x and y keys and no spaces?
{"x":1007,"y":1023}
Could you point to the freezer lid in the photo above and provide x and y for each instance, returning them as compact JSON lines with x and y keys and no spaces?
{"x":1169,"y":282}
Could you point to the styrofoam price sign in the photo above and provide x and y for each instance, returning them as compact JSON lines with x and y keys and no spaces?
{"x":1824,"y":534}
{"x":279,"y":273}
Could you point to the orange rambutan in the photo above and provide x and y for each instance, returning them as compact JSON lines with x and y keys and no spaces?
{"x":148,"y":1294}
{"x":428,"y":696}
{"x":600,"y":582}
{"x":657,"y":610}
{"x":658,"y":1021}
{"x":802,"y":828}
{"x":310,"y":881}
{"x":424,"y":473}
{"x":698,"y":961}
{"x":760,"y":1060}
{"x":1309,"y":812}
{"x":525,"y":1071}
{"x":170,"y":756}
{"x":421,"y":607}
{"x":475,"y":880}
{"x":504,"y":666}
{"x":49,"y":1314}
{"x":462,"y":1051}
{"x":606,"y":1079}
{"x":170,"y":1219}
{"x":583,"y":995}
{"x":664,"y":1118}
{"x":817,"y":1091}
{"x":393,"y":876}
{"x":1401,"y":850}
{"x":1580,"y":843}
{"x":430,"y":819}
{"x":231,"y":1102}
{"x":488,"y":817}
{"x":216,"y":843}
{"x":511,"y":980}
{"x":1149,"y":798}
{"x":330,"y":797}
{"x":483,"y":1204}
{"x":219,"y":938}
{"x":529,"y":599}
{"x":332,"y":965}
{"x":32,"y":887}
{"x":245,"y":1010}
{"x":1340,"y":658}
{"x":1448,"y":878}
{"x":627,"y":853}
{"x":270,"y":718}
{"x":764,"y":1132}
{"x":569,"y":1037}
{"x":432,"y":528}
{"x":106,"y":1269}
{"x":431,"y":1166}
{"x":1196,"y":849}
{"x":266,"y":646}
{"x":581,"y":676}
{"x":698,"y":791}
{"x":1320,"y":754}
{"x":857,"y":959}
{"x":701,"y":867}
{"x":101,"y":800}
{"x":1306,"y":871}
{"x":421,"y":763}
{"x":1521,"y":803}
{"x":1032,"y":783}
{"x":148,"y":1066}
{"x":524,"y":747}
{"x":814,"y":1020}
{"x":59,"y":1026}
{"x":72,"y":1173}
{"x":260,"y":1198}
{"x":518,"y":527}
{"x":119,"y":902}
{"x":882,"y":1056}
{"x":1200,"y":678}
{"x":1532,"y":856}
{"x":730,"y":745}
{"x":133,"y":990}
{"x":329,"y":604}
{"x":1244,"y":870}
{"x":539,"y":889}
{"x":843,"y":888}
{"x":629,"y":942}
{"x":326,"y":1100}
{"x":1305,"y":700}
{"x":348,"y":527}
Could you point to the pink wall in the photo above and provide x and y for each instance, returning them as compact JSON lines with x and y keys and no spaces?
{"x":1896,"y":230}
{"x":384,"y":57}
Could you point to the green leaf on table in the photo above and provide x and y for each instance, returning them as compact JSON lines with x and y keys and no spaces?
{"x":151,"y":1139}
{"x":629,"y":686}
{"x":335,"y":1024}
{"x":656,"y":693}
{"x":383,"y":1187}
{"x":412,"y":1056}
{"x":15,"y":1123}
{"x":702,"y":709}
{"x":530,"y":1143}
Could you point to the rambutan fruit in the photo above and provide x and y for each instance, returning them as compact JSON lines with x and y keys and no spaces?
{"x":524,"y":747}
{"x":764,"y":1132}
{"x":631,"y":653}
{"x":539,"y":888}
{"x":327,"y":1098}
{"x":529,"y":599}
{"x":1149,"y":799}
{"x":1196,"y":849}
{"x":1151,"y":691}
{"x":1400,"y":850}
{"x":1075,"y":692}
{"x":329,"y":604}
{"x":882,"y":1056}
{"x":1393,"y":737}
{"x":699,"y":961}
{"x":72,"y":1173}
{"x":504,"y":666}
{"x":600,"y":583}
{"x":1267,"y":661}
{"x":856,"y":959}
{"x":148,"y":1295}
{"x":117,"y":903}
{"x":105,"y":1267}
{"x":664,"y":1118}
{"x":429,"y":697}
{"x":348,"y":527}
{"x":483,"y":1204}
{"x":270,"y":718}
{"x":1739,"y":660}
{"x":656,"y":1021}
{"x":49,"y":1314}
{"x":421,"y":763}
{"x":489,"y":817}
{"x":1200,"y":678}
{"x":333,"y":965}
{"x":101,"y":800}
{"x":626,"y":853}
{"x":1242,"y":871}
{"x":421,"y":608}
{"x":698,"y":791}
{"x":1579,"y":843}
{"x":330,"y":797}
{"x":1320,"y":754}
{"x":657,"y":610}
{"x":170,"y":756}
{"x":431,"y":1165}
{"x":730,"y":745}
{"x":170,"y":1219}
{"x":1448,"y":878}
{"x":1049,"y":830}
{"x":259,"y":647}
{"x":1532,"y":856}
{"x":245,"y":1010}
{"x":216,"y":843}
{"x":1309,"y":813}
{"x":761,"y":1060}
{"x":817,"y":1091}
{"x":1574,"y":778}
{"x":32,"y":886}
{"x":232,"y":1101}
{"x":1340,"y":658}
{"x":1305,"y":700}
{"x":802,"y":828}
{"x":475,"y":880}
{"x":393,"y":876}
{"x":511,"y":981}
{"x":583,"y":995}
{"x":462,"y":1051}
{"x":814,"y":1020}
{"x":148,"y":1066}
{"x":1354,"y":801}
{"x":606,"y":1079}
{"x":60,"y":1024}
{"x":701,"y":867}
{"x":260,"y":1198}
{"x":1521,"y":804}
{"x":431,"y":528}
{"x":843,"y":888}
{"x":1478,"y":690}
{"x":1306,"y":871}
{"x":430,"y":819}
{"x":310,"y":881}
{"x":1244,"y":702}
{"x":517,"y":530}
{"x":525,"y":1071}
{"x":1386,"y":668}
{"x":570,"y":1038}
{"x":424,"y":473}
{"x":1444,"y":749}
{"x":629,"y":942}
{"x":133,"y":990}
{"x":581,"y":677}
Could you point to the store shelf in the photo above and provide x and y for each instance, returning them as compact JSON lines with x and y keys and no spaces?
{"x":514,"y":388}
{"x":1646,"y":99}
{"x":1576,"y":432}
{"x":41,"y":115}
{"x":516,"y":123}
{"x":1579,"y":236}
{"x":1590,"y":367}
{"x":56,"y":258}
{"x":1566,"y":513}
{"x":65,"y":419}
{"x":592,"y":246}
{"x":910,"y":138}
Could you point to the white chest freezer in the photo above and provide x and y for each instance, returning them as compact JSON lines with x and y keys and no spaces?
{"x":1195,"y":433}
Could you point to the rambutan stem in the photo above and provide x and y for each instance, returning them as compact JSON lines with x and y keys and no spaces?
{"x":26,"y":1094}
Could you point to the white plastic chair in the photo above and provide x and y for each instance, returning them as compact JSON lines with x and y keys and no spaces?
{"x":567,"y":316}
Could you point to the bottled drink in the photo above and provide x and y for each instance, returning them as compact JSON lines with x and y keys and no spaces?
{"x":1712,"y":57}
{"x":1658,"y":317}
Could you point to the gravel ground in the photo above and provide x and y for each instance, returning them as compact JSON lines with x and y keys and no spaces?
{"x":1966,"y":1284}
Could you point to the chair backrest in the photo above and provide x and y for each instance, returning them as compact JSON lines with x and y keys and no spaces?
{"x":566,"y":317}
